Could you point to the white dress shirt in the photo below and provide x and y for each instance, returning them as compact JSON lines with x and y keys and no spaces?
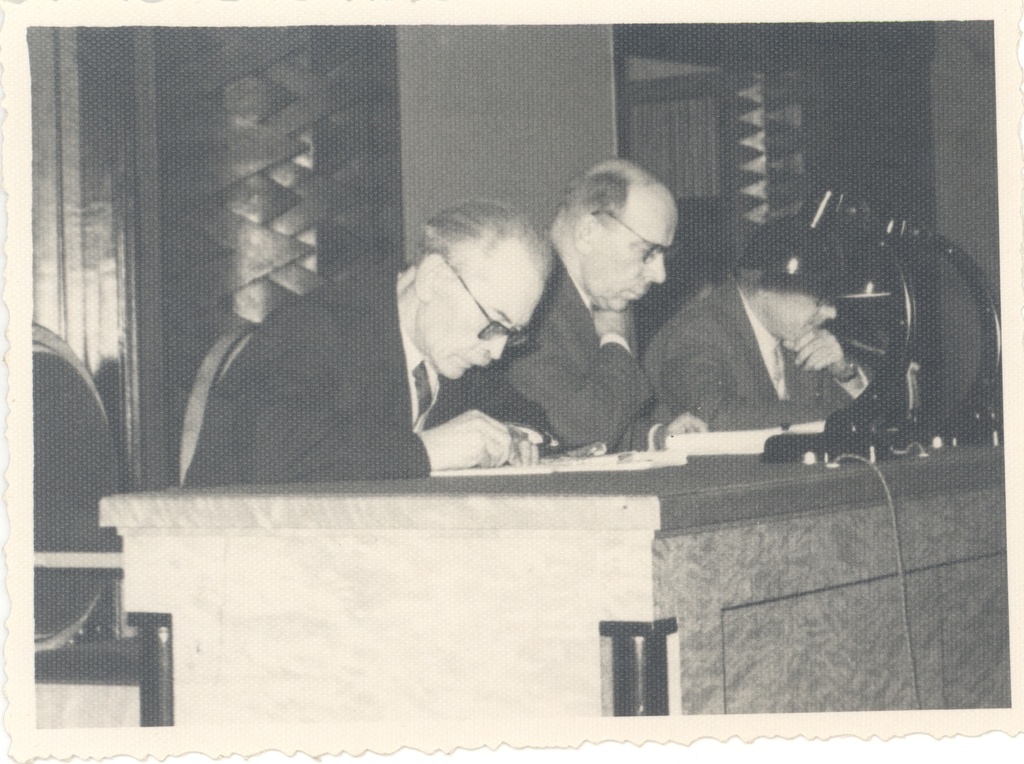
{"x":771,"y":353}
{"x":413,"y":358}
{"x":618,"y":339}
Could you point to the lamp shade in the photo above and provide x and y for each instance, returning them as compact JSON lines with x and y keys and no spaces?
{"x":792,"y":256}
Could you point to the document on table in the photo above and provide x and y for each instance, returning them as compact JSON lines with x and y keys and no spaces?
{"x":735,"y":441}
{"x":629,"y":460}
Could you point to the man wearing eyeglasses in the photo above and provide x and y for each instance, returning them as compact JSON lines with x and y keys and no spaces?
{"x":338,"y":384}
{"x":610,"y":233}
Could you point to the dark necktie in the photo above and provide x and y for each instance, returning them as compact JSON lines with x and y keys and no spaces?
{"x":801,"y":385}
{"x":424,"y":396}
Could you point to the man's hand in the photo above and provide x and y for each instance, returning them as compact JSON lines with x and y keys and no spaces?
{"x":525,"y":452}
{"x":686,"y":422}
{"x":471,"y":439}
{"x":819,"y":349}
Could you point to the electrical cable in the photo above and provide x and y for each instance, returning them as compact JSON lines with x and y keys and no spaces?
{"x":901,"y":572}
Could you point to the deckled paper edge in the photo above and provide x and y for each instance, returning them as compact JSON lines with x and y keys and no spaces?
{"x":555,"y":732}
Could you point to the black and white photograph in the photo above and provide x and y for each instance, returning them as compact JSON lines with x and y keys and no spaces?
{"x":452,"y":383}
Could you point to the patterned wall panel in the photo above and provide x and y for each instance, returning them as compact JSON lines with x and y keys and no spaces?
{"x":266,"y":136}
{"x":768,"y":150}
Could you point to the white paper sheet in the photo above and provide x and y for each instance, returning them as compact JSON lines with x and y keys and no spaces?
{"x":629,"y":460}
{"x":735,"y":441}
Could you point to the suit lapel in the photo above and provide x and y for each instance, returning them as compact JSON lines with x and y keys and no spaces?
{"x":368,"y":301}
{"x":752,"y":374}
{"x":573,"y":320}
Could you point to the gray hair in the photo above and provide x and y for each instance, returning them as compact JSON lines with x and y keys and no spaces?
{"x":487,"y":223}
{"x":603,"y":188}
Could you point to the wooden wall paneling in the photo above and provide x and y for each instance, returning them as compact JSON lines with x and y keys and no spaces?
{"x":45,"y":49}
{"x":834,"y":650}
{"x":143,"y":259}
{"x":789,"y":587}
{"x":671,"y":118}
{"x":266,"y":137}
{"x":213,"y":92}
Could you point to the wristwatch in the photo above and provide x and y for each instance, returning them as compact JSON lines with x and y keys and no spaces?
{"x":846,"y":373}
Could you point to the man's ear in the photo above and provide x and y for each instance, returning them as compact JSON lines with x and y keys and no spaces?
{"x":432,"y":276}
{"x":585,"y":232}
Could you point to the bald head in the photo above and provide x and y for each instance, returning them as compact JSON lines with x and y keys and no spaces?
{"x":605,"y":186}
{"x":612,"y":230}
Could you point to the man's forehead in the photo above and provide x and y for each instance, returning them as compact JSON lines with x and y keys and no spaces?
{"x":509,"y":266}
{"x":486,"y":251}
{"x":792,"y":297}
{"x":651,"y":205}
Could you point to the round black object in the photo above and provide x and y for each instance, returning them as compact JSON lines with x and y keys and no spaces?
{"x":792,"y":256}
{"x":74,"y":460}
{"x":75,"y":465}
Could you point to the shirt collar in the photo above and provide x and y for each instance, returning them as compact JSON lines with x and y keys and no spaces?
{"x":413,"y":358}
{"x":766,"y":341}
{"x":587,"y":301}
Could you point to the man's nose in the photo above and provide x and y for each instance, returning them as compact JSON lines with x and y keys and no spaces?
{"x":826,"y":311}
{"x":495,"y":348}
{"x":656,"y":269}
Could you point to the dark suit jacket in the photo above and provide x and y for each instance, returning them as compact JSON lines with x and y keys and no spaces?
{"x":320,"y":393}
{"x":587,"y":392}
{"x":705,"y":360}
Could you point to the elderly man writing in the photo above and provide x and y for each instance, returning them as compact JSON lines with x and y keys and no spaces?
{"x":338,"y":384}
{"x":755,"y":351}
{"x":580,"y":370}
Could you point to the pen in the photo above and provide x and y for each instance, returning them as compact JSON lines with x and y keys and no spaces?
{"x":591,"y":449}
{"x":537,"y":437}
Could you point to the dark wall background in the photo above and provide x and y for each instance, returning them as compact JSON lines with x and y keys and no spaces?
{"x":963,"y":99}
{"x":866,"y":95}
{"x":184,"y":175}
{"x":270,"y":140}
{"x":502,"y":112}
{"x":900,"y":116}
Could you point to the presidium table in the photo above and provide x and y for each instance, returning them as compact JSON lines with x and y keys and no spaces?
{"x":722,"y":586}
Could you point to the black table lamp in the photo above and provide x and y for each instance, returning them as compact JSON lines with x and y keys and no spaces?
{"x":888,"y":282}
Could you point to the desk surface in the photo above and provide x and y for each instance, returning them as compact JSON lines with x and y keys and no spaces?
{"x":708,"y":491}
{"x":462,"y":596}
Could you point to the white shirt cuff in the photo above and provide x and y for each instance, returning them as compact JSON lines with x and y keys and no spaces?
{"x":857,"y":385}
{"x":618,"y":339}
{"x":652,"y":438}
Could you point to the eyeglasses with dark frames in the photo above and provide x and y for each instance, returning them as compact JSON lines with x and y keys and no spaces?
{"x":494,"y":329}
{"x":652,"y":250}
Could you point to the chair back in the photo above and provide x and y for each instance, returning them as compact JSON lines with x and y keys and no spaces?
{"x":75,"y":464}
{"x":214,"y":366}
